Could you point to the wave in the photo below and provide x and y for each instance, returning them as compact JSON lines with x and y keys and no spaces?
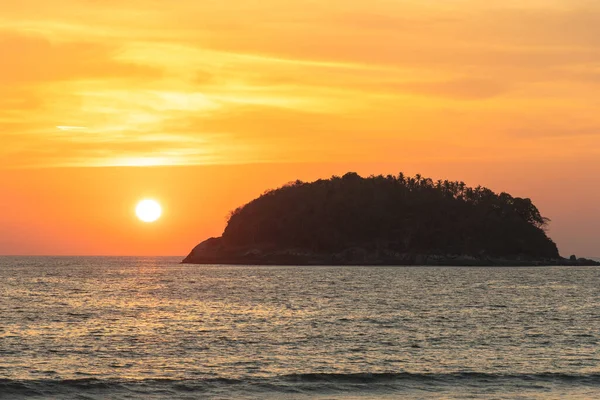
{"x":95,"y":384}
{"x":292,"y":383}
{"x":366,"y":378}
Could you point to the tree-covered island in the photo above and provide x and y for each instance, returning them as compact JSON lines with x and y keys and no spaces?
{"x":383,"y":220}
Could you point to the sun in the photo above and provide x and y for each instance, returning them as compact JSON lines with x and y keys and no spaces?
{"x":148,"y":210}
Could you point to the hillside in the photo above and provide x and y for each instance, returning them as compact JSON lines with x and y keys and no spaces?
{"x":382,"y":220}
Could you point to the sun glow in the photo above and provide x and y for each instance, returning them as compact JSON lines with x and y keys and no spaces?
{"x":148,"y":210}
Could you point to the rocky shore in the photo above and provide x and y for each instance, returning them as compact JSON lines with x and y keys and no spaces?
{"x":214,"y":251}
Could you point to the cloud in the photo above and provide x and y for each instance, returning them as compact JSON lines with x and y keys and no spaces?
{"x":461,"y":89}
{"x":193,"y":82}
{"x":34,"y":59}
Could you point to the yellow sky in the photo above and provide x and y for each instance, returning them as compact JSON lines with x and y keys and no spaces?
{"x":150,"y":82}
{"x":196,"y":82}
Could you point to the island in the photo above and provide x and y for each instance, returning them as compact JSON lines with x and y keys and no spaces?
{"x":384,"y":220}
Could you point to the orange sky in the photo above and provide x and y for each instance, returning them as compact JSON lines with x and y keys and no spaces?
{"x":228,"y":98}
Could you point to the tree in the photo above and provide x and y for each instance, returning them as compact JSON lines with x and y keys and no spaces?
{"x":400,"y":214}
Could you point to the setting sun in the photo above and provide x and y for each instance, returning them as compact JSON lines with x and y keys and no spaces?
{"x":148,"y":210}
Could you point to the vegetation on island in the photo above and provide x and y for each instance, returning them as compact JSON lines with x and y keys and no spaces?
{"x":380,"y":220}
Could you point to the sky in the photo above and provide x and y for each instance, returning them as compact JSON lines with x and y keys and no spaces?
{"x":204,"y":105}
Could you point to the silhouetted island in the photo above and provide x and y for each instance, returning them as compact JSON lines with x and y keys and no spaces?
{"x":383,"y":220}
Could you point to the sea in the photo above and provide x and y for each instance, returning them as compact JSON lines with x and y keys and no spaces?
{"x":151,"y":328}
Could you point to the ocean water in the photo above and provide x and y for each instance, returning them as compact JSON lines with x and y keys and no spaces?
{"x":149,"y":328}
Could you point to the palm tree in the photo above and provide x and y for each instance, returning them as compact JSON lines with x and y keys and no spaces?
{"x":401,"y":178}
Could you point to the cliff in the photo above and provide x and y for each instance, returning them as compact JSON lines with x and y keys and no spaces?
{"x":392,"y":220}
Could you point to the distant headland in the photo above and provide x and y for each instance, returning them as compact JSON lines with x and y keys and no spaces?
{"x":384,"y":220}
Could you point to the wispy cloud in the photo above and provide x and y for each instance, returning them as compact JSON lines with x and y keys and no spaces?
{"x":149,"y":83}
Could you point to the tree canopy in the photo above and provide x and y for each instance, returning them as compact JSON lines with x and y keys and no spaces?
{"x":407,"y":214}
